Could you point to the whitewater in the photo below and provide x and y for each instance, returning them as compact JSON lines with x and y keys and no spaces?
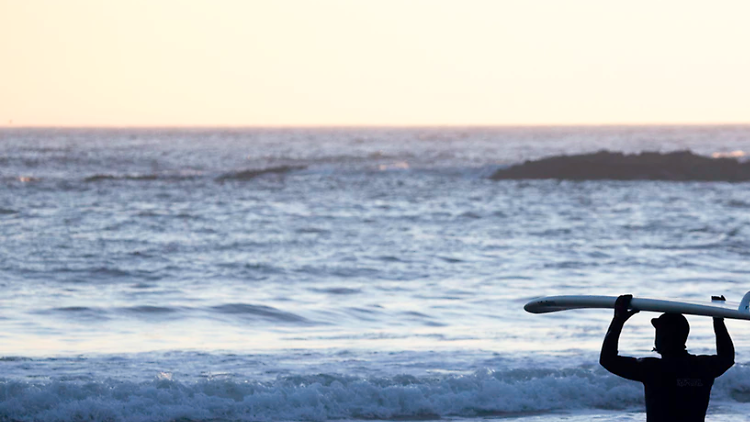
{"x":271,"y":274}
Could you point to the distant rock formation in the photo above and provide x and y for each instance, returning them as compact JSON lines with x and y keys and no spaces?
{"x":606,"y":165}
{"x":246,"y":175}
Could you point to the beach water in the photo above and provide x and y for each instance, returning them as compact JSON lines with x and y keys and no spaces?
{"x":346,"y":274}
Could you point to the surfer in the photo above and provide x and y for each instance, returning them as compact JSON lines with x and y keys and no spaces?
{"x":677,"y":386}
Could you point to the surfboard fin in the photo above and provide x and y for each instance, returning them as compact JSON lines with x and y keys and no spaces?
{"x":745,"y":303}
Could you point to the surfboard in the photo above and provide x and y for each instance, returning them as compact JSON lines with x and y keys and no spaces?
{"x":716,"y":307}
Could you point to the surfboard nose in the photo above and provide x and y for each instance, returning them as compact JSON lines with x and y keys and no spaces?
{"x":745,"y":303}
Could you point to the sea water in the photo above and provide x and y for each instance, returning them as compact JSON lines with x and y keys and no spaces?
{"x":343,"y":274}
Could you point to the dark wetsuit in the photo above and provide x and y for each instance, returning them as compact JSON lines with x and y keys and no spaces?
{"x":677,"y":386}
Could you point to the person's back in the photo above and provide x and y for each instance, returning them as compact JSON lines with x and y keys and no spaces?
{"x":677,"y":386}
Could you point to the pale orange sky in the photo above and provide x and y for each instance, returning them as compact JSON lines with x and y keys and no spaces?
{"x":373,"y":62}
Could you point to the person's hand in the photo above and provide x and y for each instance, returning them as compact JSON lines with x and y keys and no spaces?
{"x":621,"y":308}
{"x":718,"y":298}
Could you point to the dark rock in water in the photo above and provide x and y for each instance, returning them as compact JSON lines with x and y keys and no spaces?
{"x":99,"y":178}
{"x":103,"y":177}
{"x":606,"y":165}
{"x":252,"y":174}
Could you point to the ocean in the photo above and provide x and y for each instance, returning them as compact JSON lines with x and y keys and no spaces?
{"x":297,"y":274}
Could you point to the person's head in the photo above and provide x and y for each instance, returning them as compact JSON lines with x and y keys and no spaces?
{"x":671,"y":333}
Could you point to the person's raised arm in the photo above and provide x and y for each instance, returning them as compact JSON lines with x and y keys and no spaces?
{"x":724,"y":346}
{"x":625,"y":367}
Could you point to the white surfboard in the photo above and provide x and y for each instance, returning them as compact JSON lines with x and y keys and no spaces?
{"x":712,"y":308}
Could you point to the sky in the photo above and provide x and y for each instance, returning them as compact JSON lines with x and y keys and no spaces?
{"x":373,"y":62}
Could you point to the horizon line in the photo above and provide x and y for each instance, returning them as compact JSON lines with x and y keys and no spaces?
{"x":382,"y":126}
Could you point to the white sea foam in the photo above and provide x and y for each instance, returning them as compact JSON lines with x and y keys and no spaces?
{"x":327,"y":397}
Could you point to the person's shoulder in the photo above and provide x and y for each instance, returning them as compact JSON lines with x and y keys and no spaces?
{"x":649,"y":361}
{"x":705,"y":361}
{"x":701,"y":357}
{"x":711,"y":365}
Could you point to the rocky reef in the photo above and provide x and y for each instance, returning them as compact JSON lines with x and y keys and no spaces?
{"x":607,"y":165}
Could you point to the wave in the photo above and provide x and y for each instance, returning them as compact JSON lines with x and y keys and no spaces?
{"x":606,"y":165}
{"x":252,"y":174}
{"x":149,"y":310}
{"x":735,"y":203}
{"x":137,"y":177}
{"x":76,"y":313}
{"x":259,"y":311}
{"x":74,"y":309}
{"x":325,"y":397}
{"x":155,"y":313}
{"x":338,"y":291}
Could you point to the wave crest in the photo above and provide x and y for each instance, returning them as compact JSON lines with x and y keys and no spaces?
{"x":259,"y":311}
{"x":315,"y":398}
{"x":331,"y":396}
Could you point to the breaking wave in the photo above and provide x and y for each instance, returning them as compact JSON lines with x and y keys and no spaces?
{"x":329,"y":396}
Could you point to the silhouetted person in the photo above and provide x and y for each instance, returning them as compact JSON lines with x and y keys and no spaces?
{"x":678,"y":385}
